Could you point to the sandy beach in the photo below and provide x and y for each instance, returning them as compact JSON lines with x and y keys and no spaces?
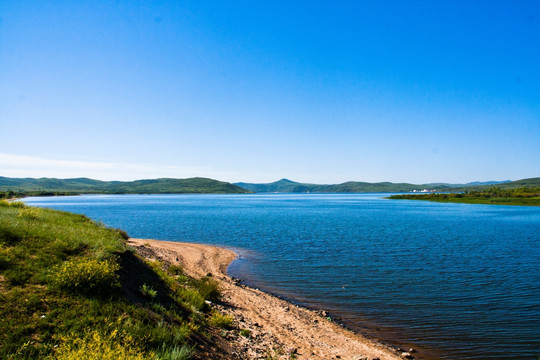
{"x":278,"y":329}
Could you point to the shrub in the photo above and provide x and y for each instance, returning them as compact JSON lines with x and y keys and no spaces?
{"x":148,"y":291}
{"x":17,"y":276}
{"x":122,"y":233}
{"x":16,"y":204}
{"x":175,"y":270}
{"x":86,"y":275}
{"x":29,"y":212}
{"x":6,"y":258}
{"x":208,"y":288}
{"x":220,"y":320}
{"x":95,"y":345}
{"x":191,"y":298}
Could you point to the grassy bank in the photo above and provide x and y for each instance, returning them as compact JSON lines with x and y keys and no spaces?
{"x":70,"y":288}
{"x":528,"y":196}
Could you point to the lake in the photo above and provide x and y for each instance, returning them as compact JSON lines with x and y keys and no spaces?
{"x":458,"y":281}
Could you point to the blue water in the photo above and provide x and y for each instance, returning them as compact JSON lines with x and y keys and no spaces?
{"x":458,"y":281}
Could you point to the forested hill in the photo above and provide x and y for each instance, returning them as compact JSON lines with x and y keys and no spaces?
{"x":197,"y":185}
{"x":89,"y":186}
{"x":530,"y":182}
{"x":288,"y":186}
{"x":281,"y":186}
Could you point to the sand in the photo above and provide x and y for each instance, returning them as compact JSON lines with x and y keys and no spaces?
{"x":278,"y":329}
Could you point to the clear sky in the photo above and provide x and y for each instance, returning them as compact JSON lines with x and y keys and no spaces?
{"x":314,"y":91}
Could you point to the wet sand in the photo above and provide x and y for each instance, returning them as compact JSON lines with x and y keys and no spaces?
{"x":277,"y":328}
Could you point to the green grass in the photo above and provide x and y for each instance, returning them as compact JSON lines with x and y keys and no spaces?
{"x":70,"y":286}
{"x":525,"y":196}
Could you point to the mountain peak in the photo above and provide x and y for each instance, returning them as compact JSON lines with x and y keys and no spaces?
{"x":282,"y":181}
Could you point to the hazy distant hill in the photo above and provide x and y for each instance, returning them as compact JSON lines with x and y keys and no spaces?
{"x":523,"y":182}
{"x":288,"y":186}
{"x":530,"y":182}
{"x":209,"y":186}
{"x":280,"y":186}
{"x":364,"y":187}
{"x":480,"y":183}
{"x":474,"y":183}
{"x":90,"y":186}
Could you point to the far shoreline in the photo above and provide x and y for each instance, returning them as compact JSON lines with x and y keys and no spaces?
{"x":523,"y":196}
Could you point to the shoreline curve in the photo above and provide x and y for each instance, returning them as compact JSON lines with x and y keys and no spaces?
{"x":273,"y":322}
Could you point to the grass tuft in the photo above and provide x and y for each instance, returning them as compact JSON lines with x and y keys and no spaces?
{"x":220,"y":320}
{"x":148,"y":291}
{"x":183,"y":352}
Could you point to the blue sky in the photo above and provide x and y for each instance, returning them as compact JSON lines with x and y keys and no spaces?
{"x":323,"y":92}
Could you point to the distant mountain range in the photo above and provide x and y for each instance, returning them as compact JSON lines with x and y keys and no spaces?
{"x":209,"y":186}
{"x":474,"y":183}
{"x":288,"y":186}
{"x":530,"y":182}
{"x":89,"y":186}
